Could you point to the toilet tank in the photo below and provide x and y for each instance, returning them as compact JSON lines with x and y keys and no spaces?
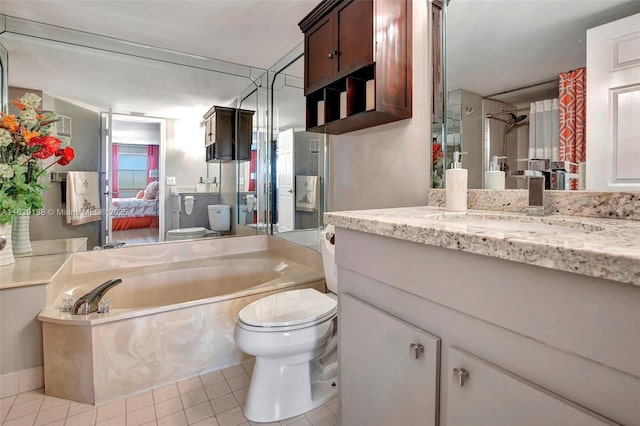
{"x":219,"y":217}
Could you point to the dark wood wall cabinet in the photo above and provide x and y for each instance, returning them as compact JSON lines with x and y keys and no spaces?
{"x":228,"y":134}
{"x":357,"y":64}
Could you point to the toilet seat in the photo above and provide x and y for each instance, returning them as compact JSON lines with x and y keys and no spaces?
{"x":288,"y":310}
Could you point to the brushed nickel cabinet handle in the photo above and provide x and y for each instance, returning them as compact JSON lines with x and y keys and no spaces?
{"x":415,"y":350}
{"x":462,"y":374}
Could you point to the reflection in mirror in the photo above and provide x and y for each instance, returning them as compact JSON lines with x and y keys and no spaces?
{"x":84,"y":84}
{"x":298,"y":158}
{"x":516,"y":85}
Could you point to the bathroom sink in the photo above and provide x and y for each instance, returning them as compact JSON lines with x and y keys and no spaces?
{"x":513,"y":222}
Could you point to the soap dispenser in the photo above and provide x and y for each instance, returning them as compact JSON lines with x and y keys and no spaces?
{"x":494,"y":178}
{"x":456,"y":185}
{"x":201,"y":186}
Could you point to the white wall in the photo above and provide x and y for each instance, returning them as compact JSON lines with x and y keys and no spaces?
{"x":388,"y":165}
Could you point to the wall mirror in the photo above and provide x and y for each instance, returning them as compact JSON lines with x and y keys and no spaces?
{"x":504,"y":64}
{"x":88,"y":77}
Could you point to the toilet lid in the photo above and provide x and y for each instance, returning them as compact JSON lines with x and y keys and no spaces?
{"x":288,"y":308}
{"x":183,"y":231}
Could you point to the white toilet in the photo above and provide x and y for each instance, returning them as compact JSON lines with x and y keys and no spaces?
{"x":293,"y":337}
{"x":219,"y":221}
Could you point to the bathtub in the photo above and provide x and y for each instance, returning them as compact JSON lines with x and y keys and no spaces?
{"x":169,"y":321}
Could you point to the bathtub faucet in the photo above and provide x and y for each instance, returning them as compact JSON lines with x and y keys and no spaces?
{"x":89,"y":302}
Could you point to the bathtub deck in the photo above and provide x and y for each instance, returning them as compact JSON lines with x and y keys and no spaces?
{"x":214,"y":398}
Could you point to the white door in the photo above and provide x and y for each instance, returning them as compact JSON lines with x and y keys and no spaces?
{"x":613,"y":106}
{"x":106,"y":120}
{"x":285,"y":181}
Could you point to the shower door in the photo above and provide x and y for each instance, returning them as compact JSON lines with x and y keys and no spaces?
{"x":106,"y":120}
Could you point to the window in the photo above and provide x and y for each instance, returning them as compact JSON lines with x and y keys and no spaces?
{"x":132,"y":167}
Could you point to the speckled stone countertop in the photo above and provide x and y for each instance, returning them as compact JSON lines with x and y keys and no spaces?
{"x":603,"y":248}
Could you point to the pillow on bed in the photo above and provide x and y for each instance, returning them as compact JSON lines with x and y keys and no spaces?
{"x":151,"y":191}
{"x":140,"y":195}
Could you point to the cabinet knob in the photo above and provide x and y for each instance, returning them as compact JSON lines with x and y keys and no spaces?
{"x":462,"y":374}
{"x":415,"y":350}
{"x":330,"y":55}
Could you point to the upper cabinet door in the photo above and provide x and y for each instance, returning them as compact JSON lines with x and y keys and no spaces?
{"x":480,"y":393}
{"x":613,"y":106}
{"x":319,"y":64}
{"x":353,"y":35}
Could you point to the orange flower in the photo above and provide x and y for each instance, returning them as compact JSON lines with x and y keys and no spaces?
{"x":9,"y":122}
{"x":18,"y":104}
{"x":27,"y":135}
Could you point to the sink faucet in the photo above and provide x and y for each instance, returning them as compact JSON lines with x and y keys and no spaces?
{"x":536,"y":195}
{"x":115,"y":244}
{"x":89,"y":302}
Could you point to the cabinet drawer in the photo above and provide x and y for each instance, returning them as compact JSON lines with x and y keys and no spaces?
{"x":384,"y":380}
{"x":490,"y":395}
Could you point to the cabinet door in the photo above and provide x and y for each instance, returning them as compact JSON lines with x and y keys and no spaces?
{"x":319,"y":64}
{"x":353,"y":35}
{"x":381,"y":380}
{"x":493,"y":396}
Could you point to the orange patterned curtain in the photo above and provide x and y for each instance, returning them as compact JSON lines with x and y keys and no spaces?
{"x":572,"y":118}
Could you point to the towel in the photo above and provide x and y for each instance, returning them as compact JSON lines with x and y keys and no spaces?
{"x":83,"y":198}
{"x":306,"y":193}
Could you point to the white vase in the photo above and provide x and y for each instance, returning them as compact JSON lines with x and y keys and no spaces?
{"x":6,"y":253}
{"x":20,"y":235}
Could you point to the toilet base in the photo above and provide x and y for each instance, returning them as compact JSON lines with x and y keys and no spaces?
{"x":280,"y":391}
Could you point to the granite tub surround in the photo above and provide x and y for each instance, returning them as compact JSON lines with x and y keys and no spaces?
{"x":602,"y":248}
{"x":612,"y":205}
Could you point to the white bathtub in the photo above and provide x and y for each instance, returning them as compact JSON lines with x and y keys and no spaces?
{"x":169,"y":321}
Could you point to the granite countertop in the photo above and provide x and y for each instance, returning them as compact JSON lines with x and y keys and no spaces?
{"x":603,"y":248}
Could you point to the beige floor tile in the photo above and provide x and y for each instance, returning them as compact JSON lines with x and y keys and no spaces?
{"x":29,"y":396}
{"x":199,"y":412}
{"x":21,"y":421}
{"x":249,"y":365}
{"x":212,"y":378}
{"x":233,"y":371}
{"x":189,"y":385}
{"x":241,"y":395}
{"x":111,"y":409}
{"x":194,"y":398}
{"x":85,"y":418}
{"x":239,"y":382}
{"x":56,"y":423}
{"x":141,"y":416}
{"x":264,"y":424}
{"x":300,"y":421}
{"x":26,"y":408}
{"x":231,"y":417}
{"x":114,"y":421}
{"x":3,"y":413}
{"x":175,"y":419}
{"x":151,"y":423}
{"x":139,"y":401}
{"x":165,"y":392}
{"x":219,"y":389}
{"x":8,"y":401}
{"x":334,"y":406}
{"x":209,"y":421}
{"x":167,"y":407}
{"x":321,"y":416}
{"x":52,"y":401}
{"x":224,"y":403}
{"x":79,"y":407}
{"x":51,"y":415}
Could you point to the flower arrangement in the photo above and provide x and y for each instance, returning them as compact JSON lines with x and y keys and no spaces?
{"x":25,"y":140}
{"x":437,"y":172}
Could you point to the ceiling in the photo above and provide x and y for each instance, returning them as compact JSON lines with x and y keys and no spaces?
{"x":254,"y":33}
{"x":497,"y":45}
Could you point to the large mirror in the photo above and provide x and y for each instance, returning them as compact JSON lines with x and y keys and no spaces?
{"x":505,"y":63}
{"x":152,"y":101}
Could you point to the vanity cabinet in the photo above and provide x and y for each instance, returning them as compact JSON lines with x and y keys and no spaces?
{"x":357,"y":64}
{"x":540,"y":346}
{"x":391,"y":375}
{"x":228,"y":134}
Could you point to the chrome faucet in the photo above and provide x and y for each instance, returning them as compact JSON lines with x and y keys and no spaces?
{"x":89,"y":302}
{"x":536,"y":195}
{"x":115,"y":244}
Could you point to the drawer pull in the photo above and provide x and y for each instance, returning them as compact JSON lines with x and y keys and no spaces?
{"x":415,"y":350}
{"x":462,"y":375}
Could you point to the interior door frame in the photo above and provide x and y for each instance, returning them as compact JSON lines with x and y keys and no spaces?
{"x":106,"y":120}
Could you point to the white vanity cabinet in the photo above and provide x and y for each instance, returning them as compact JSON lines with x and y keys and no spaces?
{"x":541,"y":346}
{"x":389,"y":376}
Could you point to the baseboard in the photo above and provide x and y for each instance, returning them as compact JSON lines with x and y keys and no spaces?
{"x":21,"y":381}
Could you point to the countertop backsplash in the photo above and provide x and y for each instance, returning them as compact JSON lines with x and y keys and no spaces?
{"x":613,"y":205}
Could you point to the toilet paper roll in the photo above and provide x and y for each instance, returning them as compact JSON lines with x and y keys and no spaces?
{"x":188,"y":204}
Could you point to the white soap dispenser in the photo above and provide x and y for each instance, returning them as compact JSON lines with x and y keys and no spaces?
{"x":456,"y":185}
{"x":494,"y":178}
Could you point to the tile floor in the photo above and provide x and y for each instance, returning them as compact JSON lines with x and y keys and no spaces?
{"x":212,"y":399}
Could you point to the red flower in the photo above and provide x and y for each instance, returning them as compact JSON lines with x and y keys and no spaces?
{"x":49,"y":145}
{"x":66,"y":155}
{"x":437,"y":151}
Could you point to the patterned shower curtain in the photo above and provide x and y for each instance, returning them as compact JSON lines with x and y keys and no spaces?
{"x":572,"y":118}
